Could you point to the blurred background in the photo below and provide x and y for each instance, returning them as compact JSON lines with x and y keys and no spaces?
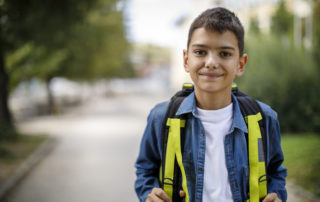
{"x":78,"y":77}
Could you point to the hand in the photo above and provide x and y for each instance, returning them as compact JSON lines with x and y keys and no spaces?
{"x":182,"y":194}
{"x":158,"y":195}
{"x":272,"y":197}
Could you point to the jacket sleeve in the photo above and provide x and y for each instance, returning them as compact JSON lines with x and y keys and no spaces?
{"x":149,"y":158}
{"x":276,"y":172}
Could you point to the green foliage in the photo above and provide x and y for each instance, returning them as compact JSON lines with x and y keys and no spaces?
{"x":301,"y":160}
{"x":30,"y":61}
{"x":41,"y":22}
{"x":8,"y":134}
{"x":282,"y":21}
{"x":76,"y":39}
{"x":285,"y":78}
{"x":254,"y":27}
{"x":98,"y":47}
{"x":14,"y":152}
{"x":81,"y":39}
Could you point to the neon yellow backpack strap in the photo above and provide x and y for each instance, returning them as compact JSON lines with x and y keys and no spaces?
{"x":257,"y":177}
{"x":174,"y":151}
{"x":234,"y":85}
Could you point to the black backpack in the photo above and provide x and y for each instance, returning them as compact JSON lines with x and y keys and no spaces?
{"x":248,"y":106}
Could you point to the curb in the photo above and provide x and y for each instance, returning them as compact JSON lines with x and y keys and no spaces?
{"x":44,"y":149}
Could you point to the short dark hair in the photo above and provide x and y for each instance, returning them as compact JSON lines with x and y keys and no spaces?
{"x":219,"y":19}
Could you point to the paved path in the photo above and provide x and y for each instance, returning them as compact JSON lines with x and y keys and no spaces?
{"x":94,"y":158}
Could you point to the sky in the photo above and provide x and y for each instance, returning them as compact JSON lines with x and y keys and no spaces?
{"x":153,"y":21}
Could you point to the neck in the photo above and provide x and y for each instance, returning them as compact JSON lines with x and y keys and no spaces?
{"x":212,"y":101}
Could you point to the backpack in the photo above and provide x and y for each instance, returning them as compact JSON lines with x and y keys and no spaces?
{"x":172,"y":174}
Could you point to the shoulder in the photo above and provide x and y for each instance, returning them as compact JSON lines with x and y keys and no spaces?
{"x":158,"y":112}
{"x":268,"y":111}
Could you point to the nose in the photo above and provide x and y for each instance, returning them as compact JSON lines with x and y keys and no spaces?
{"x":212,"y":61}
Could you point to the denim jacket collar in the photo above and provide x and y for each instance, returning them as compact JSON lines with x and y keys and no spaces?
{"x":189,"y":106}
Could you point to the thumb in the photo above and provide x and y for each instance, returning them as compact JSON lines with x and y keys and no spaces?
{"x":182,"y":194}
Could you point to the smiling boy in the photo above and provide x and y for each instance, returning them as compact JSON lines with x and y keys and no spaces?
{"x":213,"y":61}
{"x":215,"y":154}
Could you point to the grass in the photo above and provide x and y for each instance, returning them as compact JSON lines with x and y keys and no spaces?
{"x":302,"y":159}
{"x":14,"y":151}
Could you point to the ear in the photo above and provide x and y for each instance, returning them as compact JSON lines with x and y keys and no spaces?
{"x":242,"y":65}
{"x":185,"y":60}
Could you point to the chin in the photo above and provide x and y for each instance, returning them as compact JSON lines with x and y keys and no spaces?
{"x":213,"y":88}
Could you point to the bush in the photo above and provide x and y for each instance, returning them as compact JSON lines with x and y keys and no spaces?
{"x":285,"y":78}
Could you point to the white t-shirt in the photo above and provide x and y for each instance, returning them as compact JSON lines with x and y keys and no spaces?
{"x":216,"y":123}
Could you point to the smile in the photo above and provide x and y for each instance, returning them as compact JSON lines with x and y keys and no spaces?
{"x":211,"y":75}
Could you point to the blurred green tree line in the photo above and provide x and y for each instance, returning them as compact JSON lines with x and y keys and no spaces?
{"x":77,"y":39}
{"x":284,"y":74}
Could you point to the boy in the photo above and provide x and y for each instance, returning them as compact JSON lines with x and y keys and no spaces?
{"x":215,"y":156}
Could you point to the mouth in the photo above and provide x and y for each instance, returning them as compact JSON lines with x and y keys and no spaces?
{"x":210,"y":75}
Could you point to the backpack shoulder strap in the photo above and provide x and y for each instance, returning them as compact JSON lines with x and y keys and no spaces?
{"x":249,"y":106}
{"x":173,"y":107}
{"x":175,"y":182}
{"x":257,"y":144}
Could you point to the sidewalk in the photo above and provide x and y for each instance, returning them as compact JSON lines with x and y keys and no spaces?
{"x":94,"y":160}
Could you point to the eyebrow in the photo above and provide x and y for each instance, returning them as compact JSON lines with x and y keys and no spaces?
{"x":221,"y":47}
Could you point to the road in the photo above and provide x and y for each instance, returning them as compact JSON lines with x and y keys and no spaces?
{"x":93,"y":161}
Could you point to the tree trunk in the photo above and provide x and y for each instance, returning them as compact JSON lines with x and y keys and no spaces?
{"x":6,"y":124}
{"x":50,"y":98}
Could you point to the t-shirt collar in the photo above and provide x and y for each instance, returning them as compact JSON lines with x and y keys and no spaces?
{"x":189,"y":105}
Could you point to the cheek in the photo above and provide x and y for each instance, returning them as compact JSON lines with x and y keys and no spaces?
{"x":196,"y":64}
{"x":189,"y":66}
{"x":234,"y":67}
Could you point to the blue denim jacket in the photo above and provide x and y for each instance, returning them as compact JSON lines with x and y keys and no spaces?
{"x":149,"y":158}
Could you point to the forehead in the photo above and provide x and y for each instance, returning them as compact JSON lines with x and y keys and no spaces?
{"x":213,"y":39}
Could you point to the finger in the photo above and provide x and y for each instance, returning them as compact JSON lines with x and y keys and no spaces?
{"x":277,"y":199}
{"x":270,"y":197}
{"x":161,"y":194}
{"x":153,"y":198}
{"x":182,"y":194}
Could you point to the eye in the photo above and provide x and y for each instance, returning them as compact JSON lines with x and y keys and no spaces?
{"x":225,"y":54}
{"x":200,"y":52}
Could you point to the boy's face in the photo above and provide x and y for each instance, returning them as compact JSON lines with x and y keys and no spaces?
{"x":213,"y":61}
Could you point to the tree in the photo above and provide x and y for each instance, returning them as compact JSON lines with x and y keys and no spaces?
{"x":6,"y":125}
{"x":254,"y":26}
{"x":95,"y":48}
{"x":39,"y":25}
{"x":98,"y":47}
{"x":282,"y":21}
{"x":284,"y":77}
